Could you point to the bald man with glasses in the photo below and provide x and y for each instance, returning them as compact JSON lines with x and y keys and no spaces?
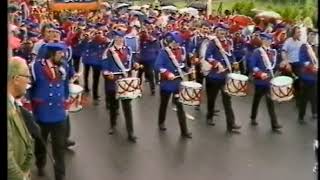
{"x":20,"y":142}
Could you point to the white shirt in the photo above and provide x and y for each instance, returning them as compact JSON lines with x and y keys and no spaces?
{"x":37,"y":46}
{"x":292,"y":49}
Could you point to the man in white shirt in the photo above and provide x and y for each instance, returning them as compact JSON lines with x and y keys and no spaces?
{"x":47,"y":35}
{"x":290,"y":57}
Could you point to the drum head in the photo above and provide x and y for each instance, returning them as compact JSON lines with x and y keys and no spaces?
{"x":281,"y":81}
{"x":238,"y":77}
{"x":75,"y":89}
{"x":191,"y":84}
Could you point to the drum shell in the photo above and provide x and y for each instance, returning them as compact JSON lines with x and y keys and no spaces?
{"x":236,"y":87}
{"x":190,"y":95}
{"x":128,"y":88}
{"x":281,"y":93}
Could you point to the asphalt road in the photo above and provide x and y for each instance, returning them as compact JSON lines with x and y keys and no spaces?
{"x":211,"y":154}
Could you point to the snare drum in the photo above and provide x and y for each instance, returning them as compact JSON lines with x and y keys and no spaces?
{"x":75,"y":96}
{"x":281,"y":88}
{"x":190,"y":93}
{"x":128,"y":88}
{"x":236,"y":85}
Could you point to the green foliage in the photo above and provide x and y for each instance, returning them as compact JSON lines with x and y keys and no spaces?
{"x":244,"y":8}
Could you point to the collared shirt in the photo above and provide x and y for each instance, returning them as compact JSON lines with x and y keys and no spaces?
{"x":11,"y":99}
{"x":292,"y":49}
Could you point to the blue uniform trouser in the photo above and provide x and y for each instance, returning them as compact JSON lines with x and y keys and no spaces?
{"x":57,"y":132}
{"x":308,"y":94}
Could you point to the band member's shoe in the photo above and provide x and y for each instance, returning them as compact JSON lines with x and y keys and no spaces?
{"x":315,"y":117}
{"x":210,"y":122}
{"x":70,"y":143}
{"x":233,"y":131}
{"x":302,"y":121}
{"x":132,"y":138}
{"x":254,"y":122}
{"x":162,"y":127}
{"x":187,"y":135}
{"x":41,"y":172}
{"x":235,"y":126}
{"x":86,"y":90}
{"x":111,"y":131}
{"x":276,"y":126}
{"x":275,"y":130}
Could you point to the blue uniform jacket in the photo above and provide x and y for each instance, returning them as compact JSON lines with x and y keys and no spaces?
{"x":109,"y":65}
{"x":256,"y":65}
{"x":48,"y":95}
{"x":92,"y":53}
{"x":213,"y":53}
{"x":194,"y":44}
{"x":305,"y":60}
{"x":239,"y":50}
{"x":149,"y":51}
{"x":164,"y":64}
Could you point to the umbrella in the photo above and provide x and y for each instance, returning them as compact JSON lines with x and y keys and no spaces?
{"x":199,"y":6}
{"x":121,"y":5}
{"x":269,"y":14}
{"x":134,"y":8}
{"x":146,"y":6}
{"x":141,"y":15}
{"x":190,"y":10}
{"x":171,"y":8}
{"x":242,"y":20}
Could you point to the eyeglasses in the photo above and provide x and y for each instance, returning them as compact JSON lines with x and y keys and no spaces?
{"x":26,"y":76}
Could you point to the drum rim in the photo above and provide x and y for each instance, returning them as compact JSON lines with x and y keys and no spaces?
{"x":283,"y":77}
{"x":246,"y":78}
{"x":185,"y":83}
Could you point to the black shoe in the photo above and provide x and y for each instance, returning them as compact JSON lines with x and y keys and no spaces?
{"x":216,"y":111}
{"x":153,"y":92}
{"x":41,"y":172}
{"x":197,"y":108}
{"x":111,"y":131}
{"x":254,"y":122}
{"x":210,"y":122}
{"x":86,"y":90}
{"x":162,"y":127}
{"x":314,"y":117}
{"x":70,"y":143}
{"x":186,"y":135}
{"x":132,"y":138}
{"x":235,"y":126}
{"x":276,"y":130}
{"x":233,"y":131}
{"x":302,"y":121}
{"x":277,"y":126}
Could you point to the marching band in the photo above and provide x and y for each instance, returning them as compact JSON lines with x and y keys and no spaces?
{"x":188,"y":56}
